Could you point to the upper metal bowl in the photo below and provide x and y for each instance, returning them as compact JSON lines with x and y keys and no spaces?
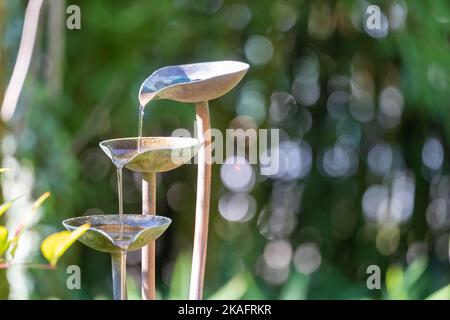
{"x":192,"y":82}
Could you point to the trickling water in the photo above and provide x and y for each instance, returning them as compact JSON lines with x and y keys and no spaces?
{"x":120,"y":158}
{"x":140,"y":124}
{"x":119,"y":189}
{"x":120,"y":195}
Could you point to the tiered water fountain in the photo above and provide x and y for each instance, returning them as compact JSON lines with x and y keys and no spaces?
{"x":118,"y":234}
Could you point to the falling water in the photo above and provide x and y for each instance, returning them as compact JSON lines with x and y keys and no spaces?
{"x":119,"y":189}
{"x":140,"y":124}
{"x":120,"y":194}
{"x":120,"y":160}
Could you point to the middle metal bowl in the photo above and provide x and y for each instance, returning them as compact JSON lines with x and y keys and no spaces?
{"x":151,"y":154}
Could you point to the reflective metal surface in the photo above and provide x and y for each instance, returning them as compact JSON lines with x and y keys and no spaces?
{"x":196,"y":83}
{"x":192,"y":82}
{"x":118,"y":234}
{"x":104,"y":233}
{"x":155,"y":154}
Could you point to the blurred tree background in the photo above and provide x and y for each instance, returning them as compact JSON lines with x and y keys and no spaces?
{"x":364,"y":128}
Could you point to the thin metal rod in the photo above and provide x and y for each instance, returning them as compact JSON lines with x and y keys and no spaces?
{"x":202,"y":204}
{"x":119,"y":275}
{"x":148,"y":252}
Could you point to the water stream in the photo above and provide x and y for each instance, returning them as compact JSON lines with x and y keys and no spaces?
{"x":140,"y":125}
{"x":119,"y":163}
{"x":120,"y":195}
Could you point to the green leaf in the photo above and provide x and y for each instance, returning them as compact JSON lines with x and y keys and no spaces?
{"x":415,"y":271}
{"x":5,"y":206}
{"x":179,"y":284}
{"x":234,"y":289}
{"x":253,"y":292}
{"x":296,"y":288}
{"x":441,"y":294}
{"x":134,"y":288}
{"x":25,"y":220}
{"x":55,"y":245}
{"x":4,"y":242}
{"x":395,"y":283}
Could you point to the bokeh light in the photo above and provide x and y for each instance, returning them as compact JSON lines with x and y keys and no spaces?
{"x":237,"y":174}
{"x":307,"y":258}
{"x":259,"y":50}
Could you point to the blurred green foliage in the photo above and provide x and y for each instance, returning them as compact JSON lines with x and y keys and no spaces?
{"x":53,"y":247}
{"x":120,"y":43}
